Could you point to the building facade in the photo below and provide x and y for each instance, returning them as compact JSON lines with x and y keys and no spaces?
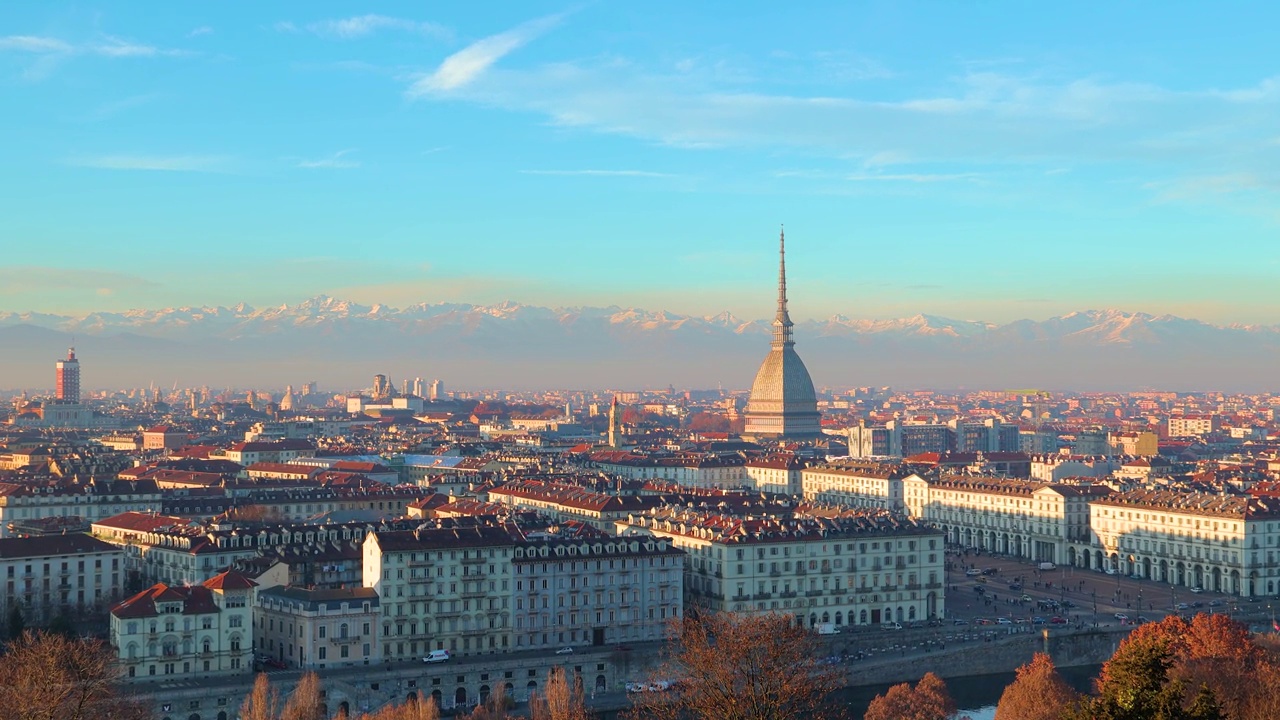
{"x":189,"y":631}
{"x":1221,"y":543}
{"x":595,"y":591}
{"x":1036,"y":521}
{"x":856,"y":484}
{"x":863,"y":568}
{"x":318,"y":629}
{"x":53,"y":575}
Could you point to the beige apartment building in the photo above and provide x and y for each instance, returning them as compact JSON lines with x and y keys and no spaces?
{"x":1222,"y":543}
{"x":1043,"y":522}
{"x":856,"y":484}
{"x":318,"y":628}
{"x":857,"y":569}
{"x":442,"y":589}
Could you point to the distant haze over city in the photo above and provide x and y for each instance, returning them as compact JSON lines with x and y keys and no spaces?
{"x":515,"y":346}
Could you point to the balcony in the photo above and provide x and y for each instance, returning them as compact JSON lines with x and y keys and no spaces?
{"x":473,"y":593}
{"x":470,"y":632}
{"x":912,"y":586}
{"x":775,"y":573}
{"x":813,"y":593}
{"x":473,"y":561}
{"x":741,"y":598}
{"x":933,"y":585}
{"x":888,"y":588}
{"x":447,"y":613}
{"x":787,"y":594}
{"x":800,"y":570}
{"x":763,"y":596}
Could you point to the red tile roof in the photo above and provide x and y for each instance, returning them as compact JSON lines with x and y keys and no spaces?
{"x":230,"y":580}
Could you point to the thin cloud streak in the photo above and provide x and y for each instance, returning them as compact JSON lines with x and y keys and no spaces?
{"x":364,"y":25}
{"x":334,"y":161}
{"x":601,"y":173}
{"x":109,"y":46}
{"x":156,"y":163}
{"x":464,"y":66}
{"x":34,"y":44}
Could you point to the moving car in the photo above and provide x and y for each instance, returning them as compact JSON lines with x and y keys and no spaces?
{"x":972,"y":571}
{"x":1055,"y":620}
{"x":566,"y":650}
{"x":436,"y":656}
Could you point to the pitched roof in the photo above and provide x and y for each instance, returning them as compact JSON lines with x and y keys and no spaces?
{"x":230,"y":580}
{"x":196,"y":600}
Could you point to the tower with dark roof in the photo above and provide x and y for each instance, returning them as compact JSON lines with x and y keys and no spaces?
{"x":783,"y":404}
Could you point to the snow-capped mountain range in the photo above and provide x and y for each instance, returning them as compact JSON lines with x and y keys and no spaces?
{"x":513,"y":345}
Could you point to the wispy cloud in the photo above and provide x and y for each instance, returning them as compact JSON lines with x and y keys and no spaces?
{"x":160,"y":163}
{"x":978,"y":126}
{"x":117,"y":47}
{"x":603,"y":173}
{"x":202,"y":30}
{"x":364,"y":25}
{"x":464,"y":66}
{"x":108,"y":46}
{"x":334,"y":161}
{"x":911,"y":177}
{"x":34,"y":44}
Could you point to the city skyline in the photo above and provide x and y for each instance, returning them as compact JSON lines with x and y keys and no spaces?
{"x":1031,"y":164}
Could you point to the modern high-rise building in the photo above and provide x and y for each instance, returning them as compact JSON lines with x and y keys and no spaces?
{"x":68,"y":376}
{"x":437,"y":390}
{"x":783,"y":404}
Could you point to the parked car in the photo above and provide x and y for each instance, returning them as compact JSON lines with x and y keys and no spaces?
{"x":1215,"y":603}
{"x":972,"y":571}
{"x":1197,"y":589}
{"x":1183,"y":606}
{"x":1004,"y":621}
{"x":436,"y":656}
{"x":959,"y":621}
{"x":566,"y":650}
{"x":988,"y":571}
{"x":1122,"y":617}
{"x":1055,"y":620}
{"x":891,"y":626}
{"x":1016,"y":587}
{"x":1037,"y":620}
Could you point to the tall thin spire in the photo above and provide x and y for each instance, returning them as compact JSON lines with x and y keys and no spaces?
{"x":782,"y":321}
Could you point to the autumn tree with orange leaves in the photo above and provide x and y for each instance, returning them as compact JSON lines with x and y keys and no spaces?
{"x":928,"y":700}
{"x":1037,"y":693}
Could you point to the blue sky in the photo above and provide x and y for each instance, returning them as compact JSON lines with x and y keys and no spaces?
{"x":974,"y":160}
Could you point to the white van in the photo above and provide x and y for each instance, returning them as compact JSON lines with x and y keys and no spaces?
{"x":436,"y":656}
{"x":891,"y":626}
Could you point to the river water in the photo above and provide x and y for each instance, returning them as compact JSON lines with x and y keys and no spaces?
{"x":977,"y":695}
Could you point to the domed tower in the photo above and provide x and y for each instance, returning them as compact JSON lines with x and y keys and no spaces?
{"x":783,"y":405}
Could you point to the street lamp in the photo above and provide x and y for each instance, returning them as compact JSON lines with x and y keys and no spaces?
{"x":1095,"y":607}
